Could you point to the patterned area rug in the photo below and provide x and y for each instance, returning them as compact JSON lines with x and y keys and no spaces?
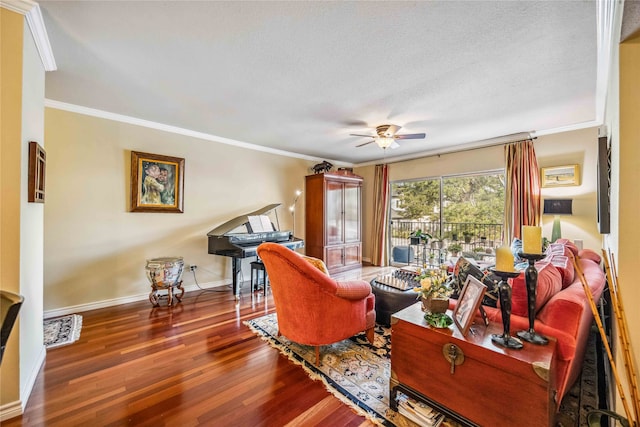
{"x":583,"y":396}
{"x":62,"y":330}
{"x":357,"y":373}
{"x":353,"y":370}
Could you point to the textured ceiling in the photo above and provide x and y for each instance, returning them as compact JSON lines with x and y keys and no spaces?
{"x":630,"y":19}
{"x":301,"y":76}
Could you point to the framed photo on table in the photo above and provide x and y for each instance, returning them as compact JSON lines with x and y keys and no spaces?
{"x":468,"y":303}
{"x":157,"y":183}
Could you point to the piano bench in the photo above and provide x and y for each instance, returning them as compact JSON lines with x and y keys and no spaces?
{"x":258,"y":266}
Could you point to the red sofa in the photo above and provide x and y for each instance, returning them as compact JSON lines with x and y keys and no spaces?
{"x":566,"y":314}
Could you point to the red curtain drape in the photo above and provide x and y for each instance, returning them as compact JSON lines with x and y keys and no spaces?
{"x":380,"y":222}
{"x":522,"y":202}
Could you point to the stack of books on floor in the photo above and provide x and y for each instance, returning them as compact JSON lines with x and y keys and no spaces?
{"x":418,"y":412}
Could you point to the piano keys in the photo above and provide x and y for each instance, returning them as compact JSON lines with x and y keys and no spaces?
{"x":237,"y":239}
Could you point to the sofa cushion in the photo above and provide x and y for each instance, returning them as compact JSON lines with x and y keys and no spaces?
{"x":549,"y":283}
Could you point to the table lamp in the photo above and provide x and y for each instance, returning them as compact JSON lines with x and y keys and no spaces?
{"x":292,"y":209}
{"x":557,"y":207}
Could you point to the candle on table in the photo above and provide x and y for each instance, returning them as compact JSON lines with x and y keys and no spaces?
{"x":504,"y":259}
{"x":531,"y":239}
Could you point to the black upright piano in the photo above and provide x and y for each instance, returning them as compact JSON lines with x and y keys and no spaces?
{"x":238,"y":239}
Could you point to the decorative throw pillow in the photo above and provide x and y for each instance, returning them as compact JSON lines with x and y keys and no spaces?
{"x":317,"y":263}
{"x":569,"y":244}
{"x":516,"y":248}
{"x":564,"y":265}
{"x":561,"y":256}
{"x":590,"y":255}
{"x":464,"y":268}
{"x":549,"y":283}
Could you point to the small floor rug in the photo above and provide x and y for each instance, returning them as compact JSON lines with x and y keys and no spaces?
{"x":357,"y":373}
{"x":62,"y":330}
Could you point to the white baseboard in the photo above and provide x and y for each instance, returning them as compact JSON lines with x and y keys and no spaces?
{"x":48,"y":314}
{"x":16,"y":408}
{"x":10,"y":410}
{"x":27,"y":388}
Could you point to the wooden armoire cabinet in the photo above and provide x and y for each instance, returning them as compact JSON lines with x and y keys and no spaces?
{"x":333,"y":229}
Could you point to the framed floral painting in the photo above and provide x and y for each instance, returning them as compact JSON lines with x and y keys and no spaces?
{"x":157,"y":183}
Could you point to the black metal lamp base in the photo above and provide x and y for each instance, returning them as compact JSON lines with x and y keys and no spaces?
{"x":506,"y":341}
{"x":533,"y":337}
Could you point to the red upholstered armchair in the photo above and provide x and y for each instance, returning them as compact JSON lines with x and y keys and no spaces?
{"x":312,"y":308}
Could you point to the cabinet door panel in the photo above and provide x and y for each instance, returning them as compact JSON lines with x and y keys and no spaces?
{"x":352,"y":254}
{"x":333,"y":257}
{"x":351,"y":213}
{"x":333,"y":213}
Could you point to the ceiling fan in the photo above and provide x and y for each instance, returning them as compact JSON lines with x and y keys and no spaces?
{"x":386,"y":136}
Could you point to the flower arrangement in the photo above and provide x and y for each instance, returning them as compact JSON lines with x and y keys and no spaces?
{"x":433,"y":283}
{"x":434,"y":291}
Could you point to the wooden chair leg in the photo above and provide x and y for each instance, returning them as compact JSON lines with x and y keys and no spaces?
{"x":317,"y":355}
{"x":370,"y":335}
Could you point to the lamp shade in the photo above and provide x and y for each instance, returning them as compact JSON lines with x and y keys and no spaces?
{"x":384,"y":142}
{"x":558,"y":206}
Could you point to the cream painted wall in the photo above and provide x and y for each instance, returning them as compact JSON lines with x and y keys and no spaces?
{"x":551,"y":150}
{"x":21,"y":234}
{"x":577,"y":147}
{"x":626,"y":152}
{"x":11,"y":32}
{"x":95,"y":249}
{"x":32,"y":350}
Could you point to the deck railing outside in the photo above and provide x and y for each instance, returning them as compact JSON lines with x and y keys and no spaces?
{"x":472,"y":237}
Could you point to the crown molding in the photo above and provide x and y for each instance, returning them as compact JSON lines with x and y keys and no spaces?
{"x":178,"y":130}
{"x":33,"y":14}
{"x":608,"y":22}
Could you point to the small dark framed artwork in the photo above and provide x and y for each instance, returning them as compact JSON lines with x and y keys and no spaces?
{"x":157,"y":183}
{"x":37,"y":169}
{"x":604,"y":185}
{"x":468,"y":303}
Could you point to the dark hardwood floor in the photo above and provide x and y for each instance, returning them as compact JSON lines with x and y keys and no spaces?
{"x":193,"y":364}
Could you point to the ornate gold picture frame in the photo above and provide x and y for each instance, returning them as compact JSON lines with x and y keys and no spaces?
{"x":157,"y":183}
{"x":560,"y":176}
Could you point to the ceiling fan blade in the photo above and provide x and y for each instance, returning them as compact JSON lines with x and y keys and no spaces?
{"x":411,"y":136}
{"x":366,"y":143}
{"x":394,"y":145}
{"x":355,"y":123}
{"x":366,"y":136}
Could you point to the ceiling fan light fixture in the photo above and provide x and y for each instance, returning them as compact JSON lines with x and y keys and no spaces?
{"x":384,"y":142}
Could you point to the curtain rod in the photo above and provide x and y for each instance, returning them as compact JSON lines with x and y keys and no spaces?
{"x":483,"y":143}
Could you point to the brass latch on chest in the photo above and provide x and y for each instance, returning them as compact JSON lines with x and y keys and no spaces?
{"x":453,"y":354}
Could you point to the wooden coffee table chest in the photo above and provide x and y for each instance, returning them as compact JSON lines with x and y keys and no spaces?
{"x":491,"y":385}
